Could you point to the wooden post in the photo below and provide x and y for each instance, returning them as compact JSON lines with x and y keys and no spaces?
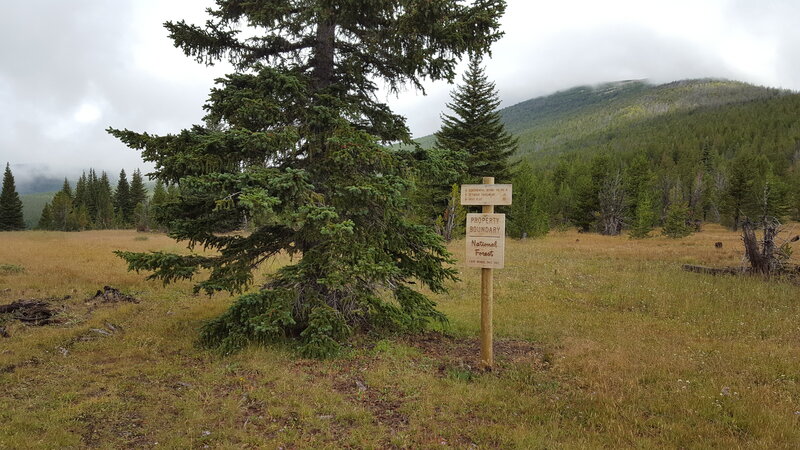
{"x":487,"y":298}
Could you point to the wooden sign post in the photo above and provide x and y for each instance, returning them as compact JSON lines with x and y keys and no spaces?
{"x":486,"y":234}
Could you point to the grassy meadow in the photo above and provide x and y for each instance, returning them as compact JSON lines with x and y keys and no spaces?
{"x":600,"y":342}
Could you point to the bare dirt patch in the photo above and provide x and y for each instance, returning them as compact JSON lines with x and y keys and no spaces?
{"x":463,"y":354}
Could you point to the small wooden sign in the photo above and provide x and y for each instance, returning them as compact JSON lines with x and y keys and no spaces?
{"x":485,"y":194}
{"x":486,"y":240}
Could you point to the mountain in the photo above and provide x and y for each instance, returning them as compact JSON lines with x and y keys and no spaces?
{"x":32,"y":205}
{"x":717,"y":150}
{"x":629,"y":116}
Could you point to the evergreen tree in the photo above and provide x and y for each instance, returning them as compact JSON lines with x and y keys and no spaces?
{"x":122,"y":200}
{"x":159,"y":194}
{"x":11,"y":218}
{"x":675,"y":223}
{"x":46,"y":219}
{"x":160,"y":197}
{"x":644,"y":216}
{"x":528,"y":217}
{"x":141,"y":216}
{"x":437,"y":172}
{"x":638,"y":178}
{"x":588,"y":187}
{"x":61,"y":209}
{"x":293,"y":137}
{"x":138,"y":193}
{"x":78,"y":218}
{"x":475,"y":127}
{"x":67,"y":190}
{"x":92,"y":196}
{"x":104,"y":203}
{"x":82,"y":191}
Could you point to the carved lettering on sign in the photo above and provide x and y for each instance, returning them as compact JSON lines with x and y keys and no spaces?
{"x":486,"y":240}
{"x":486,"y":194}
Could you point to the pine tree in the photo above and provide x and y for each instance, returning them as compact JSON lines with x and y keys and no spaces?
{"x":475,"y":127}
{"x":142,"y":220}
{"x":67,"y":190}
{"x":160,"y":198}
{"x":104,"y":203}
{"x":122,"y":200}
{"x":61,"y":208}
{"x":644,"y":216}
{"x":82,"y":191}
{"x":293,"y":136}
{"x":138,"y":193}
{"x":437,"y":172}
{"x":11,"y":218}
{"x":528,"y":217}
{"x":675,"y":223}
{"x":159,"y":194}
{"x":588,"y":186}
{"x":46,"y":219}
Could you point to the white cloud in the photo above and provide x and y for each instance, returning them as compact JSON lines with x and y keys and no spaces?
{"x":77,"y":67}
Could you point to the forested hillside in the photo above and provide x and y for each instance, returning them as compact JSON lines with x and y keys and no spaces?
{"x":715,"y":150}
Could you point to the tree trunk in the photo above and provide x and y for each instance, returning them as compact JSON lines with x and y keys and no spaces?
{"x":761,"y":255}
{"x":324,"y":52}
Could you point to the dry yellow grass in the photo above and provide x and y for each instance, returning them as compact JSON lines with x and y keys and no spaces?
{"x":633,"y":352}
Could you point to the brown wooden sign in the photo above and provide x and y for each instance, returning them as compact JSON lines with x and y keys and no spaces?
{"x":485,"y":194}
{"x":486,"y":234}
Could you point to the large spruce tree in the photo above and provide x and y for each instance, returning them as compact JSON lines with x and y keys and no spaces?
{"x":474,"y":127}
{"x":292,"y":138}
{"x":10,"y":205}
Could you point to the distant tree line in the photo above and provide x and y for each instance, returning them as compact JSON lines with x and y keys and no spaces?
{"x":94,"y":205}
{"x":611,"y":193}
{"x":720,"y":163}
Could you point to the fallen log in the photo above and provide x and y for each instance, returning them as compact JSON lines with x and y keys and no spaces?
{"x":712,"y":270}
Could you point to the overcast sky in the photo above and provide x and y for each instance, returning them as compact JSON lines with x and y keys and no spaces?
{"x":69,"y":69}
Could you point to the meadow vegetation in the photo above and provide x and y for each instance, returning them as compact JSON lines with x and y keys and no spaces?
{"x":601,"y":342}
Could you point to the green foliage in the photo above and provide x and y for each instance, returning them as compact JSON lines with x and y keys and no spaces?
{"x":589,"y":182}
{"x":142,"y":219}
{"x":11,"y":269}
{"x":718,"y":140}
{"x":11,"y":218}
{"x":262,"y":317}
{"x":46,"y":219}
{"x":675,"y":224}
{"x":474,"y":127}
{"x":451,"y":223}
{"x":122,"y":200}
{"x":91,"y":207}
{"x":529,"y":210}
{"x":644,"y":216}
{"x":326,"y":328}
{"x":138,"y":193}
{"x":436,"y":172}
{"x":290,"y":145}
{"x":60,"y":210}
